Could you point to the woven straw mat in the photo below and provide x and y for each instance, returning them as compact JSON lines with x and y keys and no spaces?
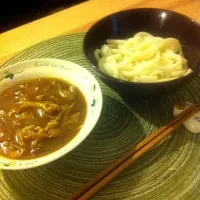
{"x":170,"y":171}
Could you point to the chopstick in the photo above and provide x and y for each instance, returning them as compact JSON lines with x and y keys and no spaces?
{"x":124,"y":161}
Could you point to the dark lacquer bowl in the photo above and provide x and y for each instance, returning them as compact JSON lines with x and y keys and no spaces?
{"x":158,"y":22}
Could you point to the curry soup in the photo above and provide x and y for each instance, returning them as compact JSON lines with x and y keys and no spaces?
{"x":39,"y":116}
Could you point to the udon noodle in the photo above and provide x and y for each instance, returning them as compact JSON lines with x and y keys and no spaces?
{"x":142,"y":58}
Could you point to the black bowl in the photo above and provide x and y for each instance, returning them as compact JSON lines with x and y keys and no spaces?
{"x":159,"y":22}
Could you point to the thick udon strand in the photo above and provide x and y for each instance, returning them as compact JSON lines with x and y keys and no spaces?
{"x":142,"y":58}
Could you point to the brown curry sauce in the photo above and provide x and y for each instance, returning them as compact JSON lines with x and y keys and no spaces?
{"x":39,"y":116}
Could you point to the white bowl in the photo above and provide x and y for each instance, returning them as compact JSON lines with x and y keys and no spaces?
{"x":63,"y":70}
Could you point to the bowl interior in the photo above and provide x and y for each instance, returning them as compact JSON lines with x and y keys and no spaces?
{"x":63,"y":70}
{"x":158,"y":22}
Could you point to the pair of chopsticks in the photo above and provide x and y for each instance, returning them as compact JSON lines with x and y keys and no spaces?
{"x":123,"y":162}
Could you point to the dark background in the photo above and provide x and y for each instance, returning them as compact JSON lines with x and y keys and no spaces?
{"x":17,"y":12}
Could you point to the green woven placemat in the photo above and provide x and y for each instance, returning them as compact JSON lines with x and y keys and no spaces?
{"x":171,"y":171}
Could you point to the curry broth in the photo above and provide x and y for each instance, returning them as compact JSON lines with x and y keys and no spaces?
{"x":39,"y":116}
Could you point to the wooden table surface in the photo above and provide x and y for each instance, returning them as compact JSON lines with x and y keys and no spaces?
{"x":80,"y":18}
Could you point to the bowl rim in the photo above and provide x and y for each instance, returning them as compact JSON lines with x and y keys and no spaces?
{"x":117,"y":80}
{"x":21,"y":164}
